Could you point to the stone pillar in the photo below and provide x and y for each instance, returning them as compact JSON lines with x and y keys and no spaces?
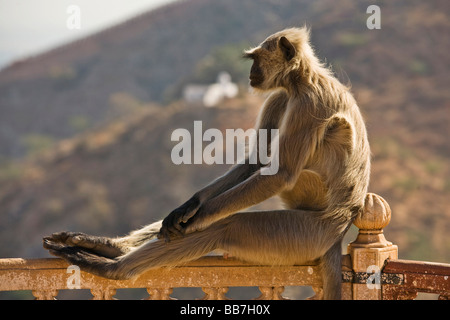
{"x":370,"y":249}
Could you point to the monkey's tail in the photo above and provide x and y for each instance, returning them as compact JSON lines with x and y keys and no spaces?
{"x":139,"y":237}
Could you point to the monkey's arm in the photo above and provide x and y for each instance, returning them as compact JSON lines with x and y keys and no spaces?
{"x":233,"y":177}
{"x":172,"y":223}
{"x":269,"y":118}
{"x":237,"y":174}
{"x":255,"y":189}
{"x":295,"y":149}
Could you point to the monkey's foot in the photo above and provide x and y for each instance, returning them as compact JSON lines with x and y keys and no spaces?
{"x":83,"y":258}
{"x":100,"y":245}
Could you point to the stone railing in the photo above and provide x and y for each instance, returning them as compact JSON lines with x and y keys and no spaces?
{"x":45,"y":277}
{"x":370,"y":270}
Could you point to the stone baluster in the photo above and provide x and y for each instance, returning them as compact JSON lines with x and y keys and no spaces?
{"x":271,"y":293}
{"x":318,"y":294}
{"x":45,"y":294}
{"x":103,"y":293}
{"x":160,"y":293}
{"x":215,"y":293}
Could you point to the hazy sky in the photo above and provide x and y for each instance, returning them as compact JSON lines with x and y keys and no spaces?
{"x":28,"y":27}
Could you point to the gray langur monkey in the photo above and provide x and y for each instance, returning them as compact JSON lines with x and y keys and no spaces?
{"x":323,"y":176}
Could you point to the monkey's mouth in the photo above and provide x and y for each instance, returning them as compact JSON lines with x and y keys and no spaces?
{"x":255,"y":80}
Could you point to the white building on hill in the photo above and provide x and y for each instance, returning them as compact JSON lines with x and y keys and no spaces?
{"x":211,"y":95}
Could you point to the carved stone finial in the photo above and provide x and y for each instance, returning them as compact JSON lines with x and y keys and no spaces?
{"x":371,"y":220}
{"x":376,"y":214}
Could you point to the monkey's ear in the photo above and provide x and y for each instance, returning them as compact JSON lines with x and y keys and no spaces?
{"x":287,"y":48}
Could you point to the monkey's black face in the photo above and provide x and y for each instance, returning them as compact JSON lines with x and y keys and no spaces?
{"x":256,"y":72}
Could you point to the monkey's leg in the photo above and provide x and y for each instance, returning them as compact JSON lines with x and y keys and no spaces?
{"x":283,"y":237}
{"x":83,"y":258}
{"x":153,"y":254}
{"x":104,"y":246}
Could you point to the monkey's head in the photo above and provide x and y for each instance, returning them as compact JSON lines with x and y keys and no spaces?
{"x":277,"y":57}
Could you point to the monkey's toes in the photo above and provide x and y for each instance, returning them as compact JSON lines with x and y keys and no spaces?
{"x":71,"y":254}
{"x":55,"y":249}
{"x":59,"y":236}
{"x":70,"y":238}
{"x":49,"y":244}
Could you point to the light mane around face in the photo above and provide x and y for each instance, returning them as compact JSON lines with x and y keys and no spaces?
{"x":282,"y":57}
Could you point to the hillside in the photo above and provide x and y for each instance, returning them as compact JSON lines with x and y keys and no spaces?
{"x":85,"y":129}
{"x":149,"y":58}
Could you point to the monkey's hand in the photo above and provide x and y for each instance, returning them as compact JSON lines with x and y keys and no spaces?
{"x":175,"y":223}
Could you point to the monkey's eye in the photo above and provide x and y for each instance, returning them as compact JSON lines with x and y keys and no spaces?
{"x":269,"y":45}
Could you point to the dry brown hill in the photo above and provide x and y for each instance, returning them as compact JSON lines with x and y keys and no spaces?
{"x":404,"y":65}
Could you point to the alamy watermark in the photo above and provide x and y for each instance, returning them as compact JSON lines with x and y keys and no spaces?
{"x":374,"y":280}
{"x":74,"y":280}
{"x":73,"y":21}
{"x":189,"y":150}
{"x":374,"y":20}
